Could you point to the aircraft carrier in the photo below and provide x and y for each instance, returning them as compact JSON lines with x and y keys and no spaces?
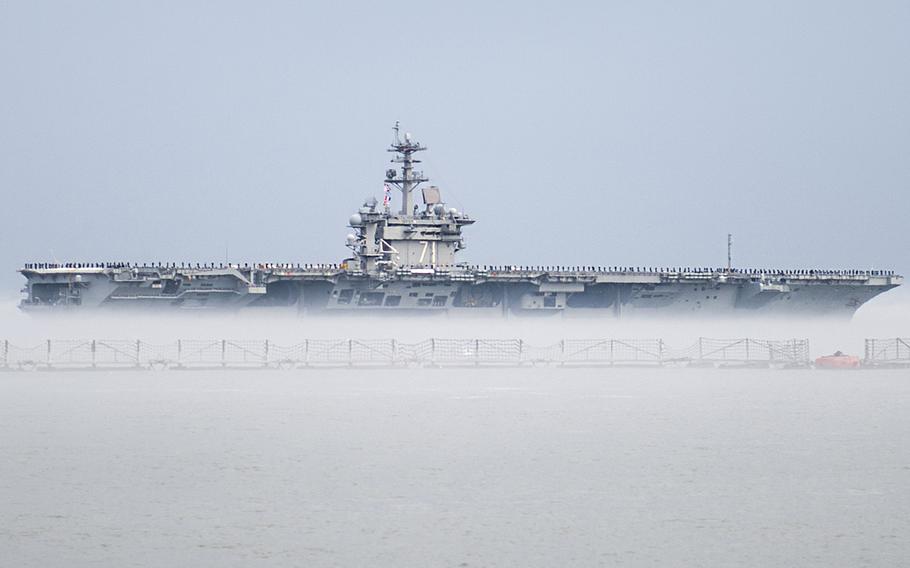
{"x":404,"y":261}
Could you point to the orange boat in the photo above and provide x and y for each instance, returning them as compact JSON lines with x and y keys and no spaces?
{"x":838,"y":360}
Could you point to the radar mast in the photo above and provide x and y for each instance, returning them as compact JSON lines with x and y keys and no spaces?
{"x":409,"y":178}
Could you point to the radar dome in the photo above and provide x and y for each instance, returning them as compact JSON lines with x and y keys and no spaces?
{"x":355,"y":220}
{"x":439,"y":209}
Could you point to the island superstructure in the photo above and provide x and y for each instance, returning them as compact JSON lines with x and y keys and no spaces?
{"x":405,"y":261}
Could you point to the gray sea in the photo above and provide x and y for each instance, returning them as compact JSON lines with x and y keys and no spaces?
{"x":473,"y":467}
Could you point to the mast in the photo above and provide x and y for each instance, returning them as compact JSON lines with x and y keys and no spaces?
{"x":409,"y":178}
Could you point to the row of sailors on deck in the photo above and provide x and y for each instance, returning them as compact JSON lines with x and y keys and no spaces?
{"x":687,"y":270}
{"x":812,"y":272}
{"x":185,"y":265}
{"x":496,"y":268}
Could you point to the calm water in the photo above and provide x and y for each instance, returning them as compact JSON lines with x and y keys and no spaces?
{"x":535,"y":467}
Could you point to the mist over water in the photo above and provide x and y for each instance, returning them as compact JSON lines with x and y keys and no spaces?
{"x":887,"y":315}
{"x":540,"y":466}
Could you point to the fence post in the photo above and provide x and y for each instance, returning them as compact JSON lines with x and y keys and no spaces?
{"x":433,"y":350}
{"x":867,"y":350}
{"x":612,"y":356}
{"x":179,"y":352}
{"x":48,"y":352}
{"x":93,"y":353}
{"x":747,"y":349}
{"x":265,"y":361}
{"x":476,"y":352}
{"x":6,"y":353}
{"x":394,"y":353}
{"x":306,"y":352}
{"x":223,"y":349}
{"x":660,"y":351}
{"x":521,"y":349}
{"x":701,"y":349}
{"x":350,"y":352}
{"x":138,"y":353}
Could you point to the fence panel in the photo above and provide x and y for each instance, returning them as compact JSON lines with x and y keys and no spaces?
{"x":116,"y":353}
{"x":747,"y":350}
{"x":284,"y":356}
{"x":613,"y":351}
{"x":891,"y":351}
{"x":245,"y":353}
{"x":373,"y":351}
{"x":155,"y":355}
{"x":200,"y":353}
{"x":543,"y":354}
{"x":68,"y":353}
{"x":329,"y":351}
{"x":29,"y":357}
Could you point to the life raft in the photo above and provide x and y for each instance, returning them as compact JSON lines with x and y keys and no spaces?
{"x":838,"y":361}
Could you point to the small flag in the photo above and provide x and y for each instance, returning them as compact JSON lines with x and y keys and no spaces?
{"x":388,"y":196}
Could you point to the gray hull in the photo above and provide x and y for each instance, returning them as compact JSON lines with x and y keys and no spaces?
{"x":330,"y":289}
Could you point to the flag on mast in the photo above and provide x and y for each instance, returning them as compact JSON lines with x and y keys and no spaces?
{"x":387,"y":198}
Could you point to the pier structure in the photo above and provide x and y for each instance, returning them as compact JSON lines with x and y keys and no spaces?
{"x":58,"y":354}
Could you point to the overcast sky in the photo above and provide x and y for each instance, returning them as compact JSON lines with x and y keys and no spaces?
{"x":633,"y":133}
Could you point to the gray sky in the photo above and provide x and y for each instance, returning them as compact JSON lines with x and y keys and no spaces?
{"x":635,"y":133}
